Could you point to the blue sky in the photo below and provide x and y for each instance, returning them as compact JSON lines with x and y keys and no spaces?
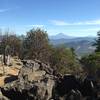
{"x":72,"y":17}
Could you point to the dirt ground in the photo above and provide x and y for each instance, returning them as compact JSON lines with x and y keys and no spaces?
{"x":7,"y":72}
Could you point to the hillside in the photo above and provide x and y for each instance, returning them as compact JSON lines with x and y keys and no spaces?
{"x":82,"y":45}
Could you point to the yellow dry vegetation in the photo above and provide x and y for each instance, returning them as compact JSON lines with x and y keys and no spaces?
{"x":12,"y":70}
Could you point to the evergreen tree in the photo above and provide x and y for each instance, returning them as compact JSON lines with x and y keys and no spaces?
{"x":97,"y":43}
{"x":91,"y":62}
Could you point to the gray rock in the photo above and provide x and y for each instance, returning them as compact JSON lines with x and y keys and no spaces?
{"x":35,"y":80}
{"x":2,"y":97}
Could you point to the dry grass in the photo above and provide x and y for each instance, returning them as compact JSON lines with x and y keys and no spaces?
{"x":9,"y":70}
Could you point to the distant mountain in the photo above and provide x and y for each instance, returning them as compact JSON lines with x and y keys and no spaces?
{"x":60,"y":36}
{"x":82,"y":45}
{"x":74,"y":39}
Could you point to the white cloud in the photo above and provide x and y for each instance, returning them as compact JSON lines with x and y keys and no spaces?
{"x":58,"y":22}
{"x":92,"y":29}
{"x":35,"y":25}
{"x":85,"y":30}
{"x":4,"y":10}
{"x":63,"y":23}
{"x":7,"y":9}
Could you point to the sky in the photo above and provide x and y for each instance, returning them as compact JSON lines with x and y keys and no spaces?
{"x":71,"y":17}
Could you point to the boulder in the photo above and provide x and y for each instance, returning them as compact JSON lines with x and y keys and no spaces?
{"x":38,"y":81}
{"x":35,"y":82}
{"x":2,"y":97}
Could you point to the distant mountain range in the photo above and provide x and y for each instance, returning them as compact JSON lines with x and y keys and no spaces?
{"x":60,"y":36}
{"x":82,"y":45}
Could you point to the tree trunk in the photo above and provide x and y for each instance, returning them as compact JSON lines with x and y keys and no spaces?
{"x":4,"y":59}
{"x":8,"y":60}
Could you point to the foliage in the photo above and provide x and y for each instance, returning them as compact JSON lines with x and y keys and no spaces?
{"x":97,"y":43}
{"x":91,"y":62}
{"x":13,"y":42}
{"x":64,"y":60}
{"x":36,"y":45}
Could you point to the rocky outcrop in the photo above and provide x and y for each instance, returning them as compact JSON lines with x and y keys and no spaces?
{"x":2,"y":97}
{"x":38,"y":81}
{"x":35,"y":81}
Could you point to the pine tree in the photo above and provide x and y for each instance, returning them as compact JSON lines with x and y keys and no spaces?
{"x":97,"y":43}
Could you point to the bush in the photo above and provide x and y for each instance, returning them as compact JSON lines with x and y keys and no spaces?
{"x":91,"y":62}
